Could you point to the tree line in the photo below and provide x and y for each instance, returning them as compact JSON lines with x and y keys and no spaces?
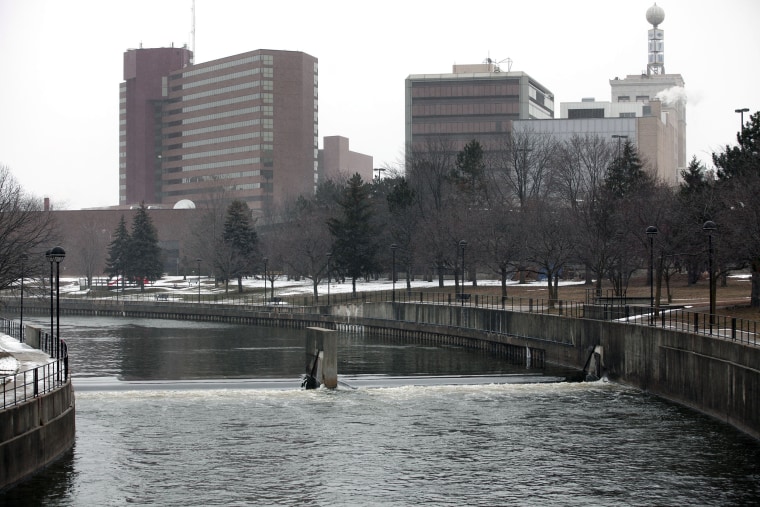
{"x":530,"y":205}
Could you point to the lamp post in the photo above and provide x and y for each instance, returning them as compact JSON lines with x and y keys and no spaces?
{"x":741,"y":112}
{"x":329,"y":255}
{"x":265,"y":279}
{"x":57,"y":254}
{"x":198,"y":260}
{"x":394,"y":246}
{"x":651,"y":232}
{"x":49,"y":257}
{"x":709,"y":227}
{"x":462,"y":245}
{"x":21,"y":316}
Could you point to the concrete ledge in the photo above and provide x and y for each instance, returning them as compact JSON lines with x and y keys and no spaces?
{"x":35,"y":434}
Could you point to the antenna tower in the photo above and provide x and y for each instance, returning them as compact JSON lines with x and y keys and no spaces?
{"x":192,"y":33}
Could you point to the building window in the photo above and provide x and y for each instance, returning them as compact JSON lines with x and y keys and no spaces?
{"x":628,"y":115}
{"x":585,"y":113}
{"x":624,"y":98}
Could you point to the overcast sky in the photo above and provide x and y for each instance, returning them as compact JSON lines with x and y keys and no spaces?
{"x":61,"y":65}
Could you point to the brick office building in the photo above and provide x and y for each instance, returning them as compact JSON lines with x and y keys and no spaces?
{"x":245,"y":125}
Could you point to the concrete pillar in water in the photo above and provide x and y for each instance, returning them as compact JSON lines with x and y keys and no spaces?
{"x":322,"y":356}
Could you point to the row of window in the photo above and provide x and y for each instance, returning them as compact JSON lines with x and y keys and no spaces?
{"x":221,"y":164}
{"x":218,"y":103}
{"x":225,"y":151}
{"x":264,"y":59}
{"x":466,"y":90}
{"x":213,"y":177}
{"x":266,"y":110}
{"x":218,"y":140}
{"x":266,"y":85}
{"x":214,"y":116}
{"x":267,"y":187}
{"x":267,"y":72}
{"x":462,"y":109}
{"x":459,"y":127}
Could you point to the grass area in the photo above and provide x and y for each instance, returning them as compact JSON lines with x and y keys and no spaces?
{"x":732,"y":299}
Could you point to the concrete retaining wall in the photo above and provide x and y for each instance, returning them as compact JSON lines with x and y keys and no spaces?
{"x":36,"y":433}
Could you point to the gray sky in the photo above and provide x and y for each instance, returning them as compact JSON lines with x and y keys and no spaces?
{"x":61,"y":65}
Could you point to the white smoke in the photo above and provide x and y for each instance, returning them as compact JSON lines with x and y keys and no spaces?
{"x":672,"y":96}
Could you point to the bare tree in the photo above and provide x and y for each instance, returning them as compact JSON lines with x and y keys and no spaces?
{"x":92,"y":239}
{"x":429,"y":171}
{"x":25,"y":230}
{"x":522,"y":165}
{"x":581,"y":163}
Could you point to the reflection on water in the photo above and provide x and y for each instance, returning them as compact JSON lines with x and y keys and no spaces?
{"x":399,"y":445}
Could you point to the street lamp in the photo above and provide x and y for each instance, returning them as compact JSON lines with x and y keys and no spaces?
{"x":651,"y":232}
{"x":198,"y":260}
{"x":709,"y":227}
{"x":462,"y":245}
{"x":57,"y":254}
{"x":394,"y":246}
{"x":21,"y":317}
{"x":329,"y":255}
{"x":49,"y":257}
{"x":265,"y":279}
{"x":742,"y":111}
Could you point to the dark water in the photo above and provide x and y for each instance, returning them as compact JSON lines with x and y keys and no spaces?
{"x":172,"y":413}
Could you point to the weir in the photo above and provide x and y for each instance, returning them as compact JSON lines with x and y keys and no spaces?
{"x":717,"y":375}
{"x":321,"y":358}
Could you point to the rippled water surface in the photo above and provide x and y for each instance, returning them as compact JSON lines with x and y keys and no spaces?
{"x":500,"y":443}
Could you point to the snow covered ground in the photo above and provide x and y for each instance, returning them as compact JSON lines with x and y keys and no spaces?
{"x":285,"y":287}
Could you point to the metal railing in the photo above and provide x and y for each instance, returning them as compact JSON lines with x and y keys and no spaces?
{"x":21,"y":386}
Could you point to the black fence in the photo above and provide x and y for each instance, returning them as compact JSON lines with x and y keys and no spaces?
{"x":21,"y":386}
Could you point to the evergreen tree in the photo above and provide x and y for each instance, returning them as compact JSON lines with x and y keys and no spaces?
{"x":118,"y":251}
{"x":694,"y":180}
{"x":144,"y":259}
{"x":470,"y":169}
{"x":743,"y":159}
{"x":739,"y":185}
{"x":240,"y":242}
{"x":626,"y":175}
{"x":354,"y":247}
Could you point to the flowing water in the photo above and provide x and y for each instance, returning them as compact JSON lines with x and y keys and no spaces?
{"x":185,"y":413}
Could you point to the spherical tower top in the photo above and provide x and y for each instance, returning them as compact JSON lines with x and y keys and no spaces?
{"x":655,"y":15}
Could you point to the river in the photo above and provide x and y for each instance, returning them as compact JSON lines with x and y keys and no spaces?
{"x":187,"y":413}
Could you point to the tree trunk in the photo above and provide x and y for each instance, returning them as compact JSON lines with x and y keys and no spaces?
{"x":755,"y":279}
{"x":503,"y":282}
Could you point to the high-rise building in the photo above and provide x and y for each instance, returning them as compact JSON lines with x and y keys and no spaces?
{"x":245,"y":125}
{"x":473,"y":102}
{"x":141,"y":98}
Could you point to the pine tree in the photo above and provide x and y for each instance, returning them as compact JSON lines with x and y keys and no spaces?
{"x":694,"y":181}
{"x":354,"y":247}
{"x":240,"y":242}
{"x":144,"y":259}
{"x":626,"y":175}
{"x":118,"y":251}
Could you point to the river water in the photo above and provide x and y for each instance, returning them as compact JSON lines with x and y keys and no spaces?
{"x":186,"y":413}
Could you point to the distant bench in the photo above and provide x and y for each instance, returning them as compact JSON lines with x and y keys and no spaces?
{"x":463,"y":296}
{"x":162,"y":297}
